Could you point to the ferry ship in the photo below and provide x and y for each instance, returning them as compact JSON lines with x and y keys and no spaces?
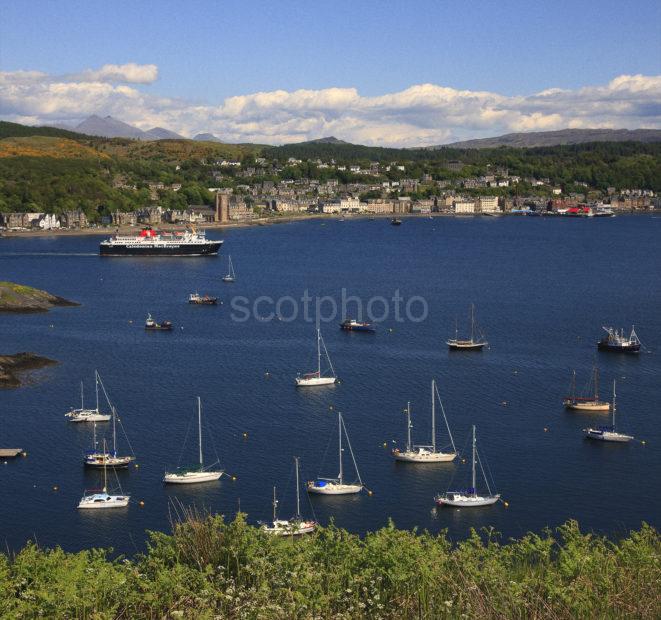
{"x":152,"y":243}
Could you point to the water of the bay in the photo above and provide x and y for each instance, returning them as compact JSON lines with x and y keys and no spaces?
{"x":542,"y":289}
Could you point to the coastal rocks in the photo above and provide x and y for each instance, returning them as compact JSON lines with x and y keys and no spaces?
{"x":13,"y":366}
{"x":20,"y":298}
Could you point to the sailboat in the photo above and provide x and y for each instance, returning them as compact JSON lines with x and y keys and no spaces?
{"x":607,"y":433}
{"x":471,"y":344}
{"x":231,"y":276}
{"x":469,"y":498}
{"x":294,"y":526}
{"x":102,"y":499}
{"x":94,"y":458}
{"x":585,"y":403}
{"x":198,"y":474}
{"x":426,"y":454}
{"x":338,"y":486}
{"x":311,"y":379}
{"x":88,"y":415}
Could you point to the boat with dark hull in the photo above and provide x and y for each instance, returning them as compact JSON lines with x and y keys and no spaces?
{"x":152,"y":243}
{"x":351,"y":325}
{"x":476,"y":342}
{"x":152,"y":326}
{"x":618,"y":342}
{"x":202,"y":300}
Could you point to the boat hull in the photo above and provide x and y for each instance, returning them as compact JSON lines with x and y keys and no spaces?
{"x":78,"y":417}
{"x":467,"y":501}
{"x":466,"y":345}
{"x":587,"y":406}
{"x":290,"y":528}
{"x":314,"y":381}
{"x":192,"y":477}
{"x":114,"y":462}
{"x":210,"y":248}
{"x":615,"y":348}
{"x":101,"y":502}
{"x":424,"y":457}
{"x":591,"y":433}
{"x":334,"y":488}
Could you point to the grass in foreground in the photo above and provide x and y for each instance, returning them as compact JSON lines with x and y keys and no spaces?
{"x":211,"y":569}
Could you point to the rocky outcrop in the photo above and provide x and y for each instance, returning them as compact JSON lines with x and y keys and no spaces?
{"x":12,"y":367}
{"x":20,"y":298}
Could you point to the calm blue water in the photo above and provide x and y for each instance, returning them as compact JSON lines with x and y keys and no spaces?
{"x":542,"y":289}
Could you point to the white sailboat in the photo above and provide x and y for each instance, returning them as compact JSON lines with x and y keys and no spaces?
{"x":426,"y":453}
{"x":294,"y":526}
{"x":338,"y":486}
{"x":231,"y":276}
{"x":467,"y":344}
{"x":88,"y":415}
{"x":312,"y":379}
{"x":470,"y":497}
{"x":198,"y":474}
{"x":94,"y":458}
{"x":102,"y":499}
{"x":607,"y":433}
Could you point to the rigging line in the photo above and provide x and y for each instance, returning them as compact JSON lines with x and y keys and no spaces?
{"x":493,"y":481}
{"x":456,"y":470}
{"x":351,"y":451}
{"x":105,"y":393}
{"x":209,"y":434}
{"x":183,"y":446}
{"x":447,"y":425}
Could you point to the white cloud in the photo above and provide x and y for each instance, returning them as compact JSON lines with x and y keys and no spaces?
{"x":419,"y":115}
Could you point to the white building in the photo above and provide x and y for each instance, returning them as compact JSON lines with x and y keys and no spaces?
{"x":489,"y":204}
{"x":461,"y":206}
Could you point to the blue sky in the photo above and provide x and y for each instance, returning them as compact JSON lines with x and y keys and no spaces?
{"x":207,"y":51}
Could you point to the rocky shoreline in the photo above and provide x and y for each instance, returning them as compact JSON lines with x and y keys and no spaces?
{"x":25,"y":299}
{"x":12,"y":367}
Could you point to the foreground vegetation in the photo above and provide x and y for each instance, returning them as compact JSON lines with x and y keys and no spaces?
{"x":211,"y":569}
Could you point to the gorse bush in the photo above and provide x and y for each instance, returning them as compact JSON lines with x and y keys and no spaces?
{"x":208,"y":568}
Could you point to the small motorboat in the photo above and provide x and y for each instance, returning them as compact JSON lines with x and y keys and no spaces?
{"x":351,"y":325}
{"x":396,"y":222}
{"x":202,"y":300}
{"x":152,"y":325}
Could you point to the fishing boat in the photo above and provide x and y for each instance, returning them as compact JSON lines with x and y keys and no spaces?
{"x":295,"y":526}
{"x":202,"y":300}
{"x":99,"y":499}
{"x":426,"y":453}
{"x":351,"y":325}
{"x":88,"y":415}
{"x":607,"y":433}
{"x":231,"y":276}
{"x":618,"y":342}
{"x":316,"y":378}
{"x":338,"y":486}
{"x":469,"y":498}
{"x":474,"y":343}
{"x":396,"y":222}
{"x":152,"y":325}
{"x":585,"y":403}
{"x":97,"y":459}
{"x":199,"y":473}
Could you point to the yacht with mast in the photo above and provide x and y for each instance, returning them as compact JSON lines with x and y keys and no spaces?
{"x":585,"y":403}
{"x":474,"y":343}
{"x":199,"y":473}
{"x":295,"y":526}
{"x":426,"y":453}
{"x":88,"y":415}
{"x":617,"y":342}
{"x":469,"y":498}
{"x":96,"y":499}
{"x":607,"y":433}
{"x":338,"y":486}
{"x":231,"y":276}
{"x":315,"y":378}
{"x":97,"y":459}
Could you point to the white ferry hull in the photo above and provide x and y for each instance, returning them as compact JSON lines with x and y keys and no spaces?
{"x":192,"y":477}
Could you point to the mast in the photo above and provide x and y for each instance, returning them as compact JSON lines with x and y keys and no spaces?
{"x":82,"y":400}
{"x":339,"y":429}
{"x":114,"y":433}
{"x":408,"y":426}
{"x":472,"y":322}
{"x":275,"y":507}
{"x":298,"y":497}
{"x":433,"y":415}
{"x":596,"y":383}
{"x":319,"y":352}
{"x":613,"y":404}
{"x":105,"y":472}
{"x":94,"y":438}
{"x":573,"y":387}
{"x":199,"y":427}
{"x":473,"y":472}
{"x":96,"y":385}
{"x":445,"y":419}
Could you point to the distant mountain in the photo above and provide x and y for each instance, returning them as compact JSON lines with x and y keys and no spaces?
{"x":206,"y":137}
{"x":159,"y":133}
{"x":108,"y":127}
{"x":554,"y":138}
{"x":328,"y":140}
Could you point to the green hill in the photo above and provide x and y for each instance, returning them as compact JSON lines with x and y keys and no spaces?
{"x":15,"y":130}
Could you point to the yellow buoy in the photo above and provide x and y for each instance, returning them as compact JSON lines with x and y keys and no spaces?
{"x":137,"y":465}
{"x":56,"y":488}
{"x":369,"y":492}
{"x":643,"y":442}
{"x":233,"y":478}
{"x":24,"y":454}
{"x":245,"y":435}
{"x":506,"y":504}
{"x":141,"y":503}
